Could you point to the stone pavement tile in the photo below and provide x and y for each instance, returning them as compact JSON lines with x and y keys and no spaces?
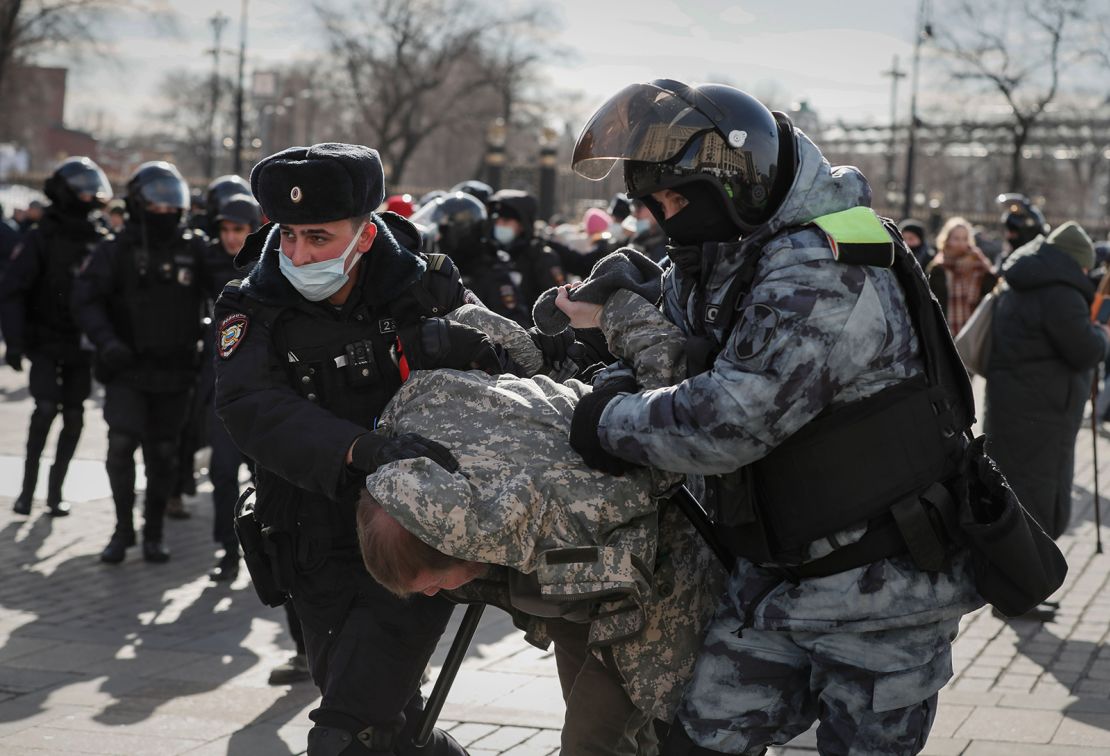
{"x":994,"y":748}
{"x":476,"y":686}
{"x":65,"y":657}
{"x":14,"y":646}
{"x":101,"y":723}
{"x":1090,"y":730}
{"x":98,"y":691}
{"x":503,"y":715}
{"x":1035,"y":701}
{"x":944,"y":747}
{"x":1019,"y":726}
{"x":228,"y":703}
{"x":949,"y":696}
{"x":77,"y":741}
{"x":468,"y":732}
{"x":21,"y":714}
{"x":1017,"y":683}
{"x":545,"y":739}
{"x":16,"y":680}
{"x":541,"y":694}
{"x":504,"y":738}
{"x":949,"y":717}
{"x":259,"y":740}
{"x":524,"y":749}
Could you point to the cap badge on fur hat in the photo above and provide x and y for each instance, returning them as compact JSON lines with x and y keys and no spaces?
{"x":295,"y":194}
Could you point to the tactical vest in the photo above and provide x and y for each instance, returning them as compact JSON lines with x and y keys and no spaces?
{"x":159,"y":311}
{"x":347,"y":365}
{"x":60,"y":256}
{"x":870,"y":461}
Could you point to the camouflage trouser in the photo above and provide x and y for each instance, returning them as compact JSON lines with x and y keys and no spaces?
{"x":874,"y":693}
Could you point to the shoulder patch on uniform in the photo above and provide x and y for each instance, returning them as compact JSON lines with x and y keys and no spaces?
{"x":757,"y":327}
{"x":232,"y":330}
{"x":436,"y":260}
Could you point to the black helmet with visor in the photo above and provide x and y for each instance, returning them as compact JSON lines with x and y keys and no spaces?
{"x":668,"y":134}
{"x":78,"y":186}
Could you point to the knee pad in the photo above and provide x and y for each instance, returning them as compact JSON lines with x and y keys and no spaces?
{"x":121,"y":448}
{"x":73,"y":418}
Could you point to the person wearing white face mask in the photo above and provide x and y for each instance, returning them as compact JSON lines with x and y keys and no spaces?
{"x":514,"y":221}
{"x":335,"y":311}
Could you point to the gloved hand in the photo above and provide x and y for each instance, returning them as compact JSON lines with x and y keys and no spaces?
{"x":14,"y":358}
{"x":439,"y":343}
{"x":555,"y":348}
{"x":372,"y":451}
{"x":584,"y":427}
{"x":117,"y":356}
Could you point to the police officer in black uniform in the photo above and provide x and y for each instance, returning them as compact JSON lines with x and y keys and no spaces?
{"x":36,"y":319}
{"x":140,"y":298}
{"x":311,"y":345}
{"x":1021,"y":220}
{"x":459,"y":223}
{"x":514,"y":227}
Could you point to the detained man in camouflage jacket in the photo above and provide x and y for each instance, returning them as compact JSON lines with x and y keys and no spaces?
{"x":571,"y":544}
{"x":784,"y":335}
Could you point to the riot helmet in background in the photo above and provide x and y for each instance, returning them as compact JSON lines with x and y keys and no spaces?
{"x":77,"y":187}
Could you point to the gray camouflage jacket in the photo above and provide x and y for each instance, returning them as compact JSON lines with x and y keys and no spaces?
{"x":524,"y":499}
{"x":814,"y":334}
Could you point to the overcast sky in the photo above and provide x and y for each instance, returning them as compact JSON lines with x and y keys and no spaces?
{"x":830,"y":54}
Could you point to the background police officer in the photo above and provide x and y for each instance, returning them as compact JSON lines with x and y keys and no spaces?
{"x":308,"y":347}
{"x":459,"y":224}
{"x":140,"y":298}
{"x":36,"y":318}
{"x":514,"y":228}
{"x":790,"y":349}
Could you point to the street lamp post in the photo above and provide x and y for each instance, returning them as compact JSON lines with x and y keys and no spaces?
{"x":237,"y":159}
{"x":924,"y":31}
{"x":218,"y":22}
{"x":496,"y":136}
{"x":548,"y":150}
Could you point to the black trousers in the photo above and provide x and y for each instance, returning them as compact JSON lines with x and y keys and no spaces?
{"x":152,"y":420}
{"x":367,"y":648}
{"x":62,"y":383}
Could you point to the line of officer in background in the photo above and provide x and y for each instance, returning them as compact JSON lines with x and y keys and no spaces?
{"x":37,"y":322}
{"x":140,"y":298}
{"x":311,"y":345}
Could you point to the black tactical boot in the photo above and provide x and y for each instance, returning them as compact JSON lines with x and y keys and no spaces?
{"x":22,"y":505}
{"x":227,"y":569}
{"x":117,"y":547}
{"x":55,"y":506}
{"x":154,"y":551}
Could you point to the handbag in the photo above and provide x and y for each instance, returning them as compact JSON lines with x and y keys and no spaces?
{"x":1015,"y":563}
{"x":973,"y":342}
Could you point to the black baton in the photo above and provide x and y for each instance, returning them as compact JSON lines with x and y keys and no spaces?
{"x":698,"y":517}
{"x":447,"y":675}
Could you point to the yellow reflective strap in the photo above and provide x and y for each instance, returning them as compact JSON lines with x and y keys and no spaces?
{"x":858,"y":237}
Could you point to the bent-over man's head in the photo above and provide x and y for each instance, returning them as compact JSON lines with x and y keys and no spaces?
{"x":401,"y":562}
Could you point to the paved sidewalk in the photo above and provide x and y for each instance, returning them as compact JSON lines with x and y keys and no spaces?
{"x":155,"y":659}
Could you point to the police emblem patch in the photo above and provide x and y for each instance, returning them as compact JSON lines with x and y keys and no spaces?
{"x":232,"y":330}
{"x":756,"y":329}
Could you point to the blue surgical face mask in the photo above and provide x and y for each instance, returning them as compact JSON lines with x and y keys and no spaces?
{"x":642,"y":225}
{"x":319,"y":280}
{"x":504,"y":234}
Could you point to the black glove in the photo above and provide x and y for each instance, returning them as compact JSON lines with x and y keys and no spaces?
{"x":554,"y":348}
{"x":14,"y":358}
{"x":584,"y":427}
{"x":590,"y":348}
{"x":372,"y":451}
{"x":117,"y":357}
{"x":439,"y":343}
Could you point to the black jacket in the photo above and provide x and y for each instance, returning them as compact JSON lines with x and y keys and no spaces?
{"x":1043,"y":348}
{"x":279,"y":391}
{"x":151,"y":299}
{"x":35,"y":289}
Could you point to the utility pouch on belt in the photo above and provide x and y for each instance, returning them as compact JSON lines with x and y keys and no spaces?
{"x":257,"y":552}
{"x":1016,"y":564}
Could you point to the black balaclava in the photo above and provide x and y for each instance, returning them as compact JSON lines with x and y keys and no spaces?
{"x":705,"y":219}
